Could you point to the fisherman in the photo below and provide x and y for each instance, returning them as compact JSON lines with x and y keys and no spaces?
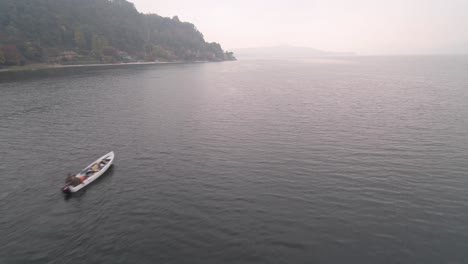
{"x":69,"y":178}
{"x":73,"y":180}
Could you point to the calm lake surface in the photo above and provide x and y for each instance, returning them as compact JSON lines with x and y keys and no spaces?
{"x":347,"y":160}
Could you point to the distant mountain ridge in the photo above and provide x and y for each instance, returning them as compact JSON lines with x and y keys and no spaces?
{"x":285,"y":52}
{"x":96,"y":31}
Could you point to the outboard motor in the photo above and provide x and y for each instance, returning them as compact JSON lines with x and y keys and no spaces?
{"x":66,"y":189}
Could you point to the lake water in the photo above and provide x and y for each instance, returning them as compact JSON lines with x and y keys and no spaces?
{"x":346,"y":160}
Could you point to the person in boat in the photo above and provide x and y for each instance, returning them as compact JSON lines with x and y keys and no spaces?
{"x":73,"y":180}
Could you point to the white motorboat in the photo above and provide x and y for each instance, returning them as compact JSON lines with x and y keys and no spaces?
{"x":89,"y":174}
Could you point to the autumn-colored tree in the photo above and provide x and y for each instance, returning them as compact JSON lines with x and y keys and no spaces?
{"x":80,"y":41}
{"x":99,"y":43}
{"x":11,"y":55}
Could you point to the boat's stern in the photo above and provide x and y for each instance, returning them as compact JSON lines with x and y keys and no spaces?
{"x":66,"y":189}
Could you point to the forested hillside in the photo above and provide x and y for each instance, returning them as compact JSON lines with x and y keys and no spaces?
{"x":75,"y":31}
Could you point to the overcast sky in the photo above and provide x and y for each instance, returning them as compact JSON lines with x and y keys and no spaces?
{"x":362,"y":26}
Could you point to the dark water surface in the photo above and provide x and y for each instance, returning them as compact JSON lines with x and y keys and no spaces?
{"x":358,"y":160}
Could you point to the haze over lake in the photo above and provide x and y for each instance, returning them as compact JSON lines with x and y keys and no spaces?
{"x":342,"y":160}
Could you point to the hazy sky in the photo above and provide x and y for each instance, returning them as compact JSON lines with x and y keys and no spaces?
{"x":363,"y":26}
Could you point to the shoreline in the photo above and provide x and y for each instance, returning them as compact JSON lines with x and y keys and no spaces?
{"x":44,"y":66}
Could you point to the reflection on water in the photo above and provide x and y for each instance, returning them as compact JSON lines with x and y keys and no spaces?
{"x":33,"y":74}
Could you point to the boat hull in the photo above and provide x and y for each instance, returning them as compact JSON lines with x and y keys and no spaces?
{"x":72,"y":189}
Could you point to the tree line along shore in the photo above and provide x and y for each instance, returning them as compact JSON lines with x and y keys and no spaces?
{"x":69,"y":32}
